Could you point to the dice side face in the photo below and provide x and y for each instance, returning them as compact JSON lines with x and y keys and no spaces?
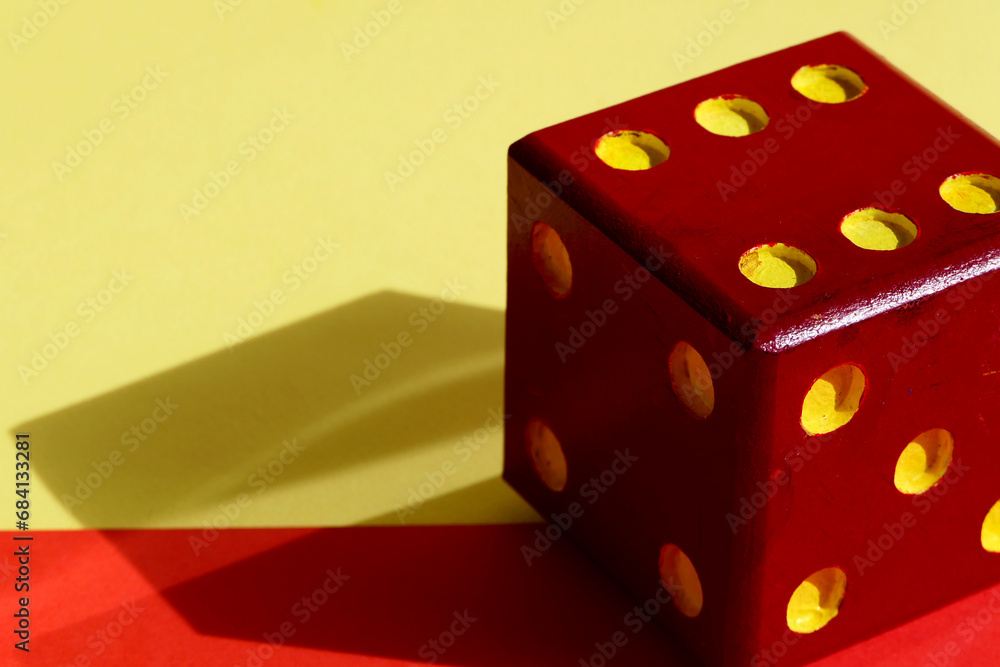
{"x":933,"y":365}
{"x":674,"y":476}
{"x":716,"y":197}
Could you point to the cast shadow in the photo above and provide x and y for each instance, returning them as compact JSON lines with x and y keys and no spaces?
{"x":204,"y":428}
{"x":392,"y":591}
{"x":406,"y":583}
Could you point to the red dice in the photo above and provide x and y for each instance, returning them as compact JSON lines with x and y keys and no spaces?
{"x":753,"y":352}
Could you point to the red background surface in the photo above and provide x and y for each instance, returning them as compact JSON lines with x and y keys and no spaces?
{"x":404,"y":586}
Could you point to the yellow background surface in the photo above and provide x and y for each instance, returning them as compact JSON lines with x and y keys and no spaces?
{"x":329,"y":121}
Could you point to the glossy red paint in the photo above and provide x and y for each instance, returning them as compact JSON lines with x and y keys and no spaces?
{"x":756,"y":503}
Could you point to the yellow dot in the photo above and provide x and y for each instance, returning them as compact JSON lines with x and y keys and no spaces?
{"x":691,"y":380}
{"x":924,"y":461}
{"x":631,"y":150}
{"x":833,"y":399}
{"x":991,"y":530}
{"x":875,"y":229}
{"x":546,"y":455}
{"x":829,"y":84}
{"x":731,"y":116}
{"x":777,"y":266}
{"x":972,"y":193}
{"x":817,"y":600}
{"x":551,"y":260}
{"x":681,"y":581}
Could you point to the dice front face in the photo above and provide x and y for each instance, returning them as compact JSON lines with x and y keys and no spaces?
{"x":902,"y":521}
{"x":752,"y":351}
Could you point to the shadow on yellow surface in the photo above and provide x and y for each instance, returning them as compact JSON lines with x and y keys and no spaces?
{"x":202,"y":442}
{"x":491,"y":501}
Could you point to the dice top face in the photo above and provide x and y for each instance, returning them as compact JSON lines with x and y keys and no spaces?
{"x":779,"y":207}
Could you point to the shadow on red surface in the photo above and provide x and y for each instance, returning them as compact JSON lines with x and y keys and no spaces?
{"x":461,"y":595}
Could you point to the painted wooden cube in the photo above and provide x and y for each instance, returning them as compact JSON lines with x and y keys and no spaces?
{"x":753,"y":351}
